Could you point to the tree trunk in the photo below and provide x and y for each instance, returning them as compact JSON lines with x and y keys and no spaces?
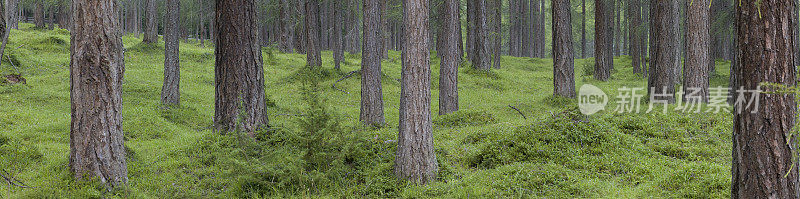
{"x":239,"y":74}
{"x":563,"y":54}
{"x":287,"y":27}
{"x":313,"y":56}
{"x":385,"y":35}
{"x":514,"y":35}
{"x":151,"y":31}
{"x":637,"y":40}
{"x":201,"y":23}
{"x":11,"y":13}
{"x":541,"y":34}
{"x":416,"y":160}
{"x":535,"y":32}
{"x":763,"y":140}
{"x":371,"y":89}
{"x":666,"y":57}
{"x":51,"y":17}
{"x":97,"y":151}
{"x":527,"y":28}
{"x":604,"y":36}
{"x":583,"y":28}
{"x":170,"y":92}
{"x":448,"y":70}
{"x":698,"y":44}
{"x":480,"y":56}
{"x":497,"y":32}
{"x":38,"y":14}
{"x":338,"y":50}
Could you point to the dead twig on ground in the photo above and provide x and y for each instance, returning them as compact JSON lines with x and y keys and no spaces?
{"x":13,"y":181}
{"x":518,"y":111}
{"x":348,"y":75}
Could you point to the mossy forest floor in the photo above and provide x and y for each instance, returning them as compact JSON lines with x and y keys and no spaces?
{"x":316,"y":147}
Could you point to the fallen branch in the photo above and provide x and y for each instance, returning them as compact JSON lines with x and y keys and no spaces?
{"x":13,"y":181}
{"x":518,"y":111}
{"x":343,"y":78}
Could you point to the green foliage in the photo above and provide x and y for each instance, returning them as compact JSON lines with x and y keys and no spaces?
{"x":465,"y":118}
{"x":587,"y":67}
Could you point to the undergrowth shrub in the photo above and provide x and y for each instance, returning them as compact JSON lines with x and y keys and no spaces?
{"x":465,"y":118}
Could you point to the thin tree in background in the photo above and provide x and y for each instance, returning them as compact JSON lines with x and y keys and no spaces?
{"x":497,"y":32}
{"x":239,"y":74}
{"x":338,"y":48}
{"x":514,"y":32}
{"x":527,"y":28}
{"x":96,"y":138}
{"x":698,"y":42}
{"x":604,"y":36}
{"x":481,"y":58}
{"x":540,"y":33}
{"x":563,"y":54}
{"x":666,"y":56}
{"x":636,"y":30}
{"x":535,"y":25}
{"x":371,"y":88}
{"x":416,"y":160}
{"x":12,"y":17}
{"x":38,"y":14}
{"x":764,"y":163}
{"x":448,"y":70}
{"x":313,"y":56}
{"x":583,"y":28}
{"x":170,"y":91}
{"x":151,"y":27}
{"x":287,"y":27}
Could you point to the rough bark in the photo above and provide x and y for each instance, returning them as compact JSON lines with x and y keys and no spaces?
{"x":583,"y":28}
{"x":698,"y":44}
{"x":563,"y":54}
{"x":51,"y":17}
{"x":514,"y":33}
{"x":604,"y":36}
{"x":239,"y":74}
{"x":287,"y":27}
{"x":416,"y":160}
{"x":527,"y":28}
{"x":541,"y":34}
{"x":535,"y":32}
{"x":497,"y":32}
{"x":38,"y":14}
{"x":481,"y":56}
{"x":448,"y":70}
{"x":338,"y":50}
{"x":313,"y":56}
{"x":151,"y":29}
{"x":96,"y":72}
{"x":636,"y":30}
{"x":11,"y":13}
{"x":371,"y":89}
{"x":666,"y":54}
{"x":763,"y":142}
{"x":170,"y":91}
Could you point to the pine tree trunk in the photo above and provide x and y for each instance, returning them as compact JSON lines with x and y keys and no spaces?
{"x":371,"y":89}
{"x":385,"y":35}
{"x":448,"y":70}
{"x":763,"y":140}
{"x":313,"y":56}
{"x":666,"y":57}
{"x":97,"y":151}
{"x":338,"y":50}
{"x":239,"y":74}
{"x":497,"y":32}
{"x":636,"y":30}
{"x":38,"y":14}
{"x":583,"y":29}
{"x":170,"y":92}
{"x":416,"y":160}
{"x":11,"y":13}
{"x":604,"y":36}
{"x":513,"y":32}
{"x":51,"y":17}
{"x":541,"y":34}
{"x":527,"y":28}
{"x":535,"y":32}
{"x":563,"y":54}
{"x":151,"y":30}
{"x":481,"y":56}
{"x":287,"y":27}
{"x":698,"y":44}
{"x":471,"y":24}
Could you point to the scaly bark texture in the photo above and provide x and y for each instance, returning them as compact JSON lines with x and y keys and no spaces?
{"x":287,"y":27}
{"x":337,"y":47}
{"x":665,"y":56}
{"x":170,"y":92}
{"x":497,"y":32}
{"x":96,"y":71}
{"x":371,"y":89}
{"x":38,"y":14}
{"x":604,"y":36}
{"x":514,"y":32}
{"x":11,"y":13}
{"x":151,"y":28}
{"x":540,"y":33}
{"x":698,"y":40}
{"x":481,"y":56}
{"x":563,"y":54}
{"x":763,"y":142}
{"x":239,"y":74}
{"x":313,"y":56}
{"x":448,"y":70}
{"x":527,"y":28}
{"x":635,"y":30}
{"x":416,"y":160}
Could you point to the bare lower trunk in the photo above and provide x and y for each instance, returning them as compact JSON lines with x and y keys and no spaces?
{"x":170,"y":92}
{"x":313,"y":57}
{"x":604,"y":36}
{"x":698,"y":43}
{"x":415,"y":159}
{"x":763,"y":141}
{"x":239,"y":74}
{"x":287,"y":27}
{"x":338,"y":50}
{"x":665,"y":56}
{"x":563,"y":54}
{"x":481,"y":56}
{"x":38,"y":14}
{"x":448,"y":70}
{"x":96,"y":138}
{"x":371,"y":89}
{"x":151,"y":30}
